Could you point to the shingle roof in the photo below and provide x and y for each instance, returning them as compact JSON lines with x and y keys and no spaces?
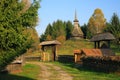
{"x":54,"y":42}
{"x":77,"y":32}
{"x":102,"y":37}
{"x":98,"y":52}
{"x":92,"y":52}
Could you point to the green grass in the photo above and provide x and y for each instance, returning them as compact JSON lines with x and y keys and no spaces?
{"x":29,"y":72}
{"x":80,"y":73}
{"x":69,"y":46}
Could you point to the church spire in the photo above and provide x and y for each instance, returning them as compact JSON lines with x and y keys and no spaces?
{"x":77,"y":32}
{"x":76,"y":20}
{"x":75,"y":14}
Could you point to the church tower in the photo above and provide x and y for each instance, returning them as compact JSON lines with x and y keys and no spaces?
{"x":77,"y":32}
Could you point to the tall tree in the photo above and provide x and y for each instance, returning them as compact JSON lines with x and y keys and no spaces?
{"x":97,"y":22}
{"x":48,"y":30}
{"x":114,"y":27}
{"x":32,"y":35}
{"x":58,"y":28}
{"x":84,"y":29}
{"x":69,"y":28}
{"x":15,"y":18}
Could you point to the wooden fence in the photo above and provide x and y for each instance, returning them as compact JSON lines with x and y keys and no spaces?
{"x":32,"y":58}
{"x":66,"y":58}
{"x":103,"y":64}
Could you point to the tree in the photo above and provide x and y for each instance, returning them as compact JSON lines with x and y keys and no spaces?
{"x":53,"y":31}
{"x":48,"y":30}
{"x":61,"y":38}
{"x":97,"y":22}
{"x":43,"y":37}
{"x":48,"y":38}
{"x":16,"y":16}
{"x":32,"y":35}
{"x":58,"y":29}
{"x":84,"y":29}
{"x":114,"y":27}
{"x":69,"y":28}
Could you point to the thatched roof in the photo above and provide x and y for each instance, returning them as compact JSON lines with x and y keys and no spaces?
{"x":54,"y":42}
{"x":77,"y":31}
{"x":103,"y":37}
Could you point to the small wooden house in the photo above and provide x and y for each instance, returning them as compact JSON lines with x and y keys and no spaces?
{"x":92,"y":53}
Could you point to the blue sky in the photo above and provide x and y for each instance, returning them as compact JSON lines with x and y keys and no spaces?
{"x":52,"y":10}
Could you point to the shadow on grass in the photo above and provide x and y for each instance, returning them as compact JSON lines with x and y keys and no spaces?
{"x":82,"y":68}
{"x":6,"y":76}
{"x":68,"y":60}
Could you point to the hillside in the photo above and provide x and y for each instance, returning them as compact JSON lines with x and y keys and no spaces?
{"x":69,"y":46}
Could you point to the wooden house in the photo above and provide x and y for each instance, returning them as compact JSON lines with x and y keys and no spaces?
{"x":92,"y":53}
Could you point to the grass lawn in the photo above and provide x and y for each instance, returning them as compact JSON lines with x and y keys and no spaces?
{"x":79,"y":73}
{"x":29,"y":72}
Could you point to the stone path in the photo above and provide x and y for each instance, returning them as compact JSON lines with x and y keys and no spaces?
{"x":49,"y":71}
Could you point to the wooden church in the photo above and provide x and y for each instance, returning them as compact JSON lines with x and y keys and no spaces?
{"x":77,"y":32}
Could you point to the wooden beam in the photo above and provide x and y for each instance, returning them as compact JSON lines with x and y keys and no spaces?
{"x":43,"y":48}
{"x":108,"y":44}
{"x":98,"y":44}
{"x":53,"y":52}
{"x":95,"y":46}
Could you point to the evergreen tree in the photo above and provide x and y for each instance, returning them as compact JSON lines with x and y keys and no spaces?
{"x":57,"y":30}
{"x":114,"y":27}
{"x":15,"y":18}
{"x":69,"y":28}
{"x":84,"y":29}
{"x":48,"y":30}
{"x":43,"y":37}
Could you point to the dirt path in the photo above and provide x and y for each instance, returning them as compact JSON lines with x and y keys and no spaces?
{"x":49,"y":71}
